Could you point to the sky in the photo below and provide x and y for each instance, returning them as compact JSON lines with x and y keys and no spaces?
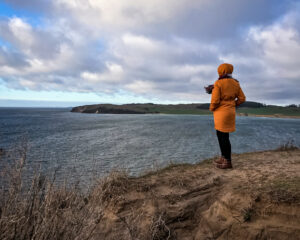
{"x":66,"y":52}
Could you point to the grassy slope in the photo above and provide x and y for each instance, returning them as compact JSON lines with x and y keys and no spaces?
{"x":194,"y":109}
{"x":177,"y":109}
{"x":271,"y":110}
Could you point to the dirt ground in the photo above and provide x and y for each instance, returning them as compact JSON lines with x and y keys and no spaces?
{"x":258,"y":199}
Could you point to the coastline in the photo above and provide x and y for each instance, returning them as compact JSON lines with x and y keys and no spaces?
{"x":246,"y":109}
{"x":258,"y":199}
{"x":198,"y":201}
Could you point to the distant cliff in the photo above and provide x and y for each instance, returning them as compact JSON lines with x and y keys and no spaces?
{"x":246,"y":109}
{"x":108,"y":108}
{"x":142,"y":108}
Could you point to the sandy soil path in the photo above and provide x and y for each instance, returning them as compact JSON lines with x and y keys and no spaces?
{"x":258,"y":199}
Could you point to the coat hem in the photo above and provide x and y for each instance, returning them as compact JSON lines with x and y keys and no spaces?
{"x":225,"y":130}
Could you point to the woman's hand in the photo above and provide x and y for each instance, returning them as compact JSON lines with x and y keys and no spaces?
{"x":209,"y":89}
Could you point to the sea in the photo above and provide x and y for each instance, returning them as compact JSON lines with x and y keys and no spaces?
{"x":87,"y":146}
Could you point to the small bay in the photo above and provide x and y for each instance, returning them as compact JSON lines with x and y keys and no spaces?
{"x":87,"y":144}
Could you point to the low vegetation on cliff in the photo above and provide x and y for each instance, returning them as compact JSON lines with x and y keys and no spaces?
{"x":247,"y":108}
{"x":258,"y":199}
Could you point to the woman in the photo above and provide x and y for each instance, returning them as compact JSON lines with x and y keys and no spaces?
{"x":226,"y":96}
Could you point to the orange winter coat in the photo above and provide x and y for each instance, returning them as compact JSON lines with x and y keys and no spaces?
{"x":226,"y":95}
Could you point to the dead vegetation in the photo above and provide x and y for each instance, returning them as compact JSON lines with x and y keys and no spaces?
{"x":284,"y":190}
{"x":181,"y":201}
{"x":43,"y":210}
{"x":288,"y":146}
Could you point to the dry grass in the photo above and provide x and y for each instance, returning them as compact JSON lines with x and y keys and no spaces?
{"x":288,"y":146}
{"x":111,"y":188}
{"x":45,"y":210}
{"x":159,"y":228}
{"x":285,"y":190}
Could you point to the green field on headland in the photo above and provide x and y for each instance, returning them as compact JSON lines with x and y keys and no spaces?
{"x":246,"y":109}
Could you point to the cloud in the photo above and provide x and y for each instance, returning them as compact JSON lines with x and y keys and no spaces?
{"x":119,"y":15}
{"x":113,"y":74}
{"x":270,"y":65}
{"x":155,"y":49}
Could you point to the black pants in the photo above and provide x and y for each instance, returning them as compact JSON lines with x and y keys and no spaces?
{"x":225,"y":145}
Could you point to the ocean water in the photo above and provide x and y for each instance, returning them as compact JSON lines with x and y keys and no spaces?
{"x":83,"y":145}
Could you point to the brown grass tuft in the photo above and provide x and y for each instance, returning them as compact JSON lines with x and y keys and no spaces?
{"x":285,"y":191}
{"x":42,"y":210}
{"x":288,"y":146}
{"x":111,"y":188}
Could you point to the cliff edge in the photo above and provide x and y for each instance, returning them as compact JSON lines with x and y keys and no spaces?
{"x":258,"y":199}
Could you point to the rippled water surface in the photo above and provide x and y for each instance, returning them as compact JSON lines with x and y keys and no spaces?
{"x":98,"y":143}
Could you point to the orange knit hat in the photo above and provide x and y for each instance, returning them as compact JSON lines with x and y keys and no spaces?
{"x":224,"y":69}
